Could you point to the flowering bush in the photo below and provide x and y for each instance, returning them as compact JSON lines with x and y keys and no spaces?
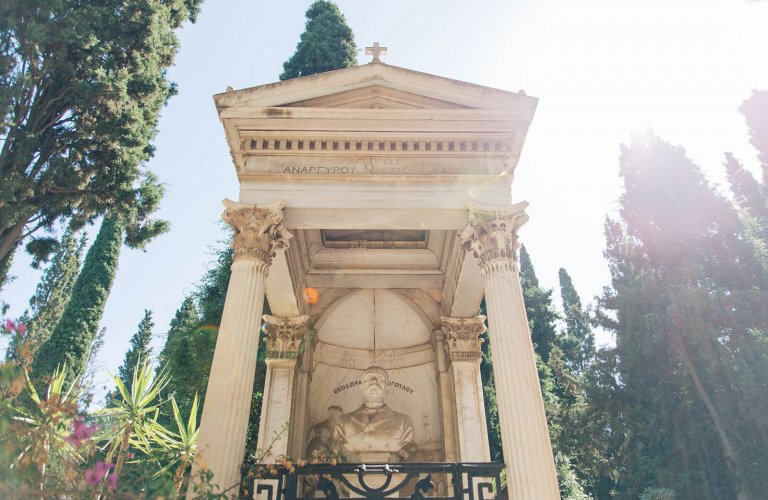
{"x":52,"y":448}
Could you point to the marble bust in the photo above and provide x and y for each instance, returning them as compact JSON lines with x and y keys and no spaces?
{"x":374,"y":432}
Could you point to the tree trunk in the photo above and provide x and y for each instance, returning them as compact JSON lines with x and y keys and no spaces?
{"x":728,"y":454}
{"x":9,"y":238}
{"x":179,"y":476}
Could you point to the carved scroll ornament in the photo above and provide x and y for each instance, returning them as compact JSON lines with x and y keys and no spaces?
{"x":491,"y":234}
{"x":259,"y":232}
{"x":462,"y":337}
{"x":284,"y":336}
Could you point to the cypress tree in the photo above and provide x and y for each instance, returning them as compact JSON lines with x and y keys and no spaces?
{"x":755,"y":111}
{"x":751,"y":195}
{"x":542,"y":316}
{"x":5,"y":268}
{"x":139,"y":350}
{"x":326,"y":44}
{"x":176,"y":358}
{"x":73,"y":336}
{"x":71,"y":340}
{"x":578,"y":341}
{"x":689,"y":321}
{"x":73,"y":147}
{"x":52,"y":293}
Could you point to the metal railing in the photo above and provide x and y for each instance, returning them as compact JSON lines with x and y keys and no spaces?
{"x":437,"y":481}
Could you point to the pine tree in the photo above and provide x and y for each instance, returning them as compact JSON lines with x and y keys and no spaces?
{"x":326,"y":44}
{"x":578,"y":341}
{"x":52,"y":293}
{"x":139,"y":350}
{"x":690,"y":324}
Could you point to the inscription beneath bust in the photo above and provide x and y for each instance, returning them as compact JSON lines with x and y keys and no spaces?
{"x":355,"y":383}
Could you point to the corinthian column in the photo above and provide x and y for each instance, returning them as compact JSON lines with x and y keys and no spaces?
{"x":462,"y":347}
{"x":492,"y":237}
{"x":285,"y":340}
{"x":259,"y":234}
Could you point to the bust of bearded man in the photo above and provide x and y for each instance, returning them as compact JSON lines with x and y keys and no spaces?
{"x":374,"y":432}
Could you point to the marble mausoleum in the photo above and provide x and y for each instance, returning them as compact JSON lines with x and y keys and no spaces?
{"x":375,"y":211}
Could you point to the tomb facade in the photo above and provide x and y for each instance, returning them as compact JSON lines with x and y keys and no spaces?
{"x":375,"y":212}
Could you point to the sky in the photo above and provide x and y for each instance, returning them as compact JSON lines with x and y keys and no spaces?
{"x":602,"y":70}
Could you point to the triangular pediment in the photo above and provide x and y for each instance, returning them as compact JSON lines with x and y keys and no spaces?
{"x":374,"y":86}
{"x":376,"y":97}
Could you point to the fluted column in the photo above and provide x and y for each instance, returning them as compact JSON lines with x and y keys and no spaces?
{"x":258,"y":235}
{"x":445,"y":397}
{"x":462,"y":347}
{"x":492,"y":237}
{"x":285,"y":340}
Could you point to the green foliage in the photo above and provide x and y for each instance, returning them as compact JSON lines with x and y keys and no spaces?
{"x":326,"y":44}
{"x":139,"y":349}
{"x":130,"y":419}
{"x":751,"y":195}
{"x":5,"y":268}
{"x":73,"y":336}
{"x":52,"y":448}
{"x":688,"y":400}
{"x":81,"y":88}
{"x":657,"y":494}
{"x":71,"y":340}
{"x":177,"y":358}
{"x":538,"y":305}
{"x":52,"y":293}
{"x":578,"y":340}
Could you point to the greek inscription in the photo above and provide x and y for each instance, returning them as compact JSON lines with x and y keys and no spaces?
{"x":320,"y":170}
{"x":355,"y":383}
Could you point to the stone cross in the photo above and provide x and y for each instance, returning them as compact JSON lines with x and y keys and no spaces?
{"x":375,"y":51}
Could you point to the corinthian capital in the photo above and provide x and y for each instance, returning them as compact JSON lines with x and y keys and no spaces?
{"x":284,"y":336}
{"x":462,"y":337}
{"x":492,"y":233}
{"x":259,"y":230}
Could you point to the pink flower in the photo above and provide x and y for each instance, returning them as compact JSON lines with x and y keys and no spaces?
{"x":80,"y":432}
{"x":95,"y":475}
{"x":9,"y":326}
{"x":112,"y":480}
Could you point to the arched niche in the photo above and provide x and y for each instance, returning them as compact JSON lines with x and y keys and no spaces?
{"x":375,"y":327}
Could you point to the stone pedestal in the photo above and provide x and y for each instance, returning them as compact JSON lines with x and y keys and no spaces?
{"x":462,"y":346}
{"x":492,"y":238}
{"x":259,"y":233}
{"x":285,"y":342}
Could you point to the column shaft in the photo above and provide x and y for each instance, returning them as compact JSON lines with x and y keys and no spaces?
{"x":524,"y":433}
{"x":492,"y":237}
{"x":462,"y":345}
{"x":276,"y":410}
{"x":221,"y":445}
{"x":258,"y":235}
{"x":285,"y":342}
